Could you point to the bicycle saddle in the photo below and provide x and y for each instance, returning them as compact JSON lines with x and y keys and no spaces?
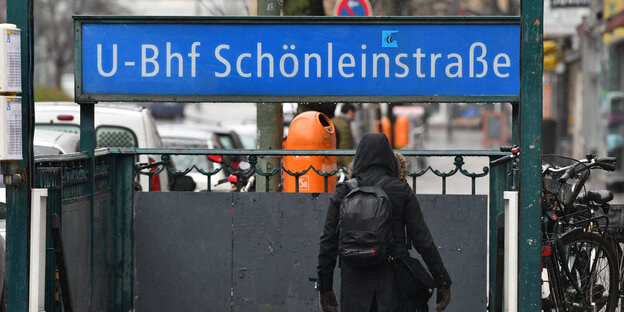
{"x":599,"y":197}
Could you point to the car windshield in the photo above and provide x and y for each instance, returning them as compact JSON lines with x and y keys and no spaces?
{"x":226,"y":141}
{"x":59,"y":127}
{"x":182,"y":162}
{"x":248,"y":141}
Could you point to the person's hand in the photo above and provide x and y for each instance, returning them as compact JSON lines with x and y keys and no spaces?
{"x":443,"y":298}
{"x":327,"y":301}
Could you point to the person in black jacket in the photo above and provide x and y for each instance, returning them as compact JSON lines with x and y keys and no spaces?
{"x":375,"y":289}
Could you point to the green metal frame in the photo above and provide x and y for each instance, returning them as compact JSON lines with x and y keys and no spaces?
{"x":529,"y":139}
{"x":526,"y":125}
{"x":499,"y":182}
{"x":249,"y":152}
{"x":20,"y":13}
{"x":461,"y":20}
{"x":67,"y":178}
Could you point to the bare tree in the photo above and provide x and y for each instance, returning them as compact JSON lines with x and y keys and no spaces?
{"x":3,"y":7}
{"x":445,"y":7}
{"x":438,"y":7}
{"x":54,"y":35}
{"x":493,"y":8}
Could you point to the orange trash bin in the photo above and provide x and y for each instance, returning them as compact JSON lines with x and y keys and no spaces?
{"x":385,"y":127}
{"x":310,"y":130}
{"x":401,"y":131}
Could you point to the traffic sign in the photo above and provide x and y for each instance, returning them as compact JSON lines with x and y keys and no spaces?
{"x":339,"y":59}
{"x":353,"y":8}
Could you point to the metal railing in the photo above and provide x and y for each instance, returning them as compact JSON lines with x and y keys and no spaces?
{"x":253,"y":155}
{"x":115,"y":173}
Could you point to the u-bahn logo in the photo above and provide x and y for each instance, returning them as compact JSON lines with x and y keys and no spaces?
{"x":388,"y":40}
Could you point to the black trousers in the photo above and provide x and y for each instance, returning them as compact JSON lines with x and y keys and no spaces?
{"x":410,"y":307}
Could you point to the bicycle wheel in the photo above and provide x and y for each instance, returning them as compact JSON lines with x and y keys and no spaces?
{"x":616,"y":240}
{"x":588,"y":273}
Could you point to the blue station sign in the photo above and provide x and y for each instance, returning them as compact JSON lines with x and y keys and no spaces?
{"x":273,"y":60}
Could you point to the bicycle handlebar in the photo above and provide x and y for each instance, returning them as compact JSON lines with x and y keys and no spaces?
{"x":501,"y":160}
{"x":510,"y":148}
{"x":610,"y":160}
{"x":605,"y":163}
{"x":513,"y":149}
{"x":606,"y":166}
{"x":567,"y":174}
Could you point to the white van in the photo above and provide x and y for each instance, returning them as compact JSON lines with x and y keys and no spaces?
{"x":116,"y":125}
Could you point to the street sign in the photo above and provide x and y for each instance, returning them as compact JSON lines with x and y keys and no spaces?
{"x":353,"y":8}
{"x":272,"y":59}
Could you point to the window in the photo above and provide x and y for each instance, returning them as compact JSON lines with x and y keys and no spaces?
{"x":109,"y":136}
{"x":60,"y":127}
{"x":226,"y":141}
{"x":183,"y":162}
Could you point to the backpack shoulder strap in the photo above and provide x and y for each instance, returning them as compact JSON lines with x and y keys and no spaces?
{"x":383,"y":181}
{"x":352,"y":183}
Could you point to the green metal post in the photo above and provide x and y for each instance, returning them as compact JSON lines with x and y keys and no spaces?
{"x":498,"y":184}
{"x":122,"y":239}
{"x":87,"y":145}
{"x":270,"y":119}
{"x":515,"y":124}
{"x":20,"y":13}
{"x":531,"y":56}
{"x":53,"y":184}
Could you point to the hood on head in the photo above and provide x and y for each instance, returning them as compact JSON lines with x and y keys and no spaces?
{"x":374,"y":156}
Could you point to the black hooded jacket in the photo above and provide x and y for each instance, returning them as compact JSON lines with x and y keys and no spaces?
{"x":374,"y":159}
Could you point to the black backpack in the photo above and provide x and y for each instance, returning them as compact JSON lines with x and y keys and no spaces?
{"x":365,"y":231}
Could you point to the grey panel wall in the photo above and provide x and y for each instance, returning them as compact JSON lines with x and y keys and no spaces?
{"x":183,"y":251}
{"x":458,"y":224}
{"x":257,"y":251}
{"x":103,"y":263}
{"x":76,"y":234}
{"x":275,"y":253}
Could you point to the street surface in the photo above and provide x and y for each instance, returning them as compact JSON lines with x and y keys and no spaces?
{"x":461,"y":139}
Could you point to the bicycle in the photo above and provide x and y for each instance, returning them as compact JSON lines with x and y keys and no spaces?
{"x":580,"y":269}
{"x":613,"y":229}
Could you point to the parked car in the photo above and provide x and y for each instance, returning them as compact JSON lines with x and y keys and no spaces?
{"x":188,"y":137}
{"x":48,"y":142}
{"x":225,"y":117}
{"x":220,"y":137}
{"x":168,"y":110}
{"x":116,"y":125}
{"x":44,"y":143}
{"x":227,"y":139}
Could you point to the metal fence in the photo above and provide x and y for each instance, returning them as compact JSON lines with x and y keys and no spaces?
{"x":101,"y":226}
{"x":253,"y":155}
{"x":96,"y":224}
